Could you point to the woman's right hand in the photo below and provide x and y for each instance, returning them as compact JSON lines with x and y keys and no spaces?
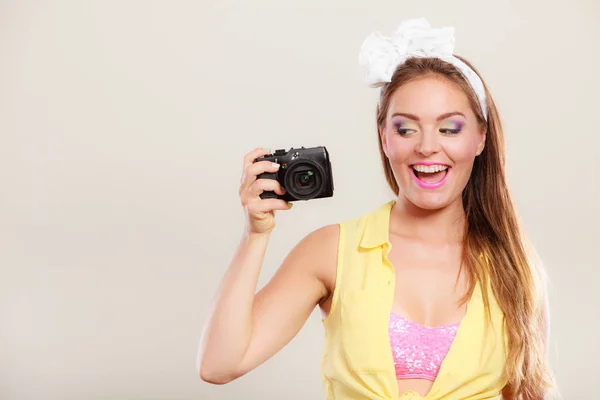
{"x":260,"y":213}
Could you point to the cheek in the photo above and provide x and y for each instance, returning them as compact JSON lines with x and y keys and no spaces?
{"x":397,"y":148}
{"x":461,"y":150}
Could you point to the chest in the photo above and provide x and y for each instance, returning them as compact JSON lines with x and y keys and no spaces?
{"x":429,"y":282}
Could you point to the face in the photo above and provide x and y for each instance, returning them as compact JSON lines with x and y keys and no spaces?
{"x":431,"y":138}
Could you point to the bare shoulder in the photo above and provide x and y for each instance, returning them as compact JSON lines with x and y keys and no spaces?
{"x":317,"y":252}
{"x":324,"y":239}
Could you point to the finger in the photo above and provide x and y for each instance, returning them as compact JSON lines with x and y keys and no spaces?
{"x":253,"y":170}
{"x":254,"y":154}
{"x":266,"y":205}
{"x":253,"y":192}
{"x":265,"y":185}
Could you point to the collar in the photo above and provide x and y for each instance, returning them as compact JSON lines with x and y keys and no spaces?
{"x":376,"y":232}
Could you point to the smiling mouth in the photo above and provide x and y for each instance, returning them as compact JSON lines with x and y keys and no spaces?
{"x":430,"y":176}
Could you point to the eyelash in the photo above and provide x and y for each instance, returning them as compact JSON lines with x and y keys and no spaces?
{"x":404,"y":131}
{"x":451,"y":131}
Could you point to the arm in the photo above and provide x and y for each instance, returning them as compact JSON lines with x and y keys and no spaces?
{"x":246,"y":329}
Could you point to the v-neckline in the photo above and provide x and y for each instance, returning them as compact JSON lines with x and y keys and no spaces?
{"x":455,"y":347}
{"x":456,"y":344}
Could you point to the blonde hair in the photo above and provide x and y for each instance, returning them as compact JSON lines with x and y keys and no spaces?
{"x":493,"y":231}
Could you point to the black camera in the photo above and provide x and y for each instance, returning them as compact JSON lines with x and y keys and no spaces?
{"x":304,"y":173}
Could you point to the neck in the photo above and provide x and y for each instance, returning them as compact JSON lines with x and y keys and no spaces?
{"x":442,"y":225}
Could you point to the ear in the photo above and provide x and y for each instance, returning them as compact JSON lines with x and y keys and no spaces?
{"x":481,"y":140}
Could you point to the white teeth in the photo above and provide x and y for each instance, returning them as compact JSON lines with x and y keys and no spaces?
{"x":430,"y":168}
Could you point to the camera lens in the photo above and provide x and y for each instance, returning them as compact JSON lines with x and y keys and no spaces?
{"x":304,"y":180}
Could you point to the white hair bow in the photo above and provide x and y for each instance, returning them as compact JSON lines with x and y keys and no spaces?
{"x":381,"y":55}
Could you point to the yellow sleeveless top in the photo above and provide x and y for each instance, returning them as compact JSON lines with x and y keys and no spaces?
{"x":357,"y":360}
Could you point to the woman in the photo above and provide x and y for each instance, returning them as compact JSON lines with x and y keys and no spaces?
{"x":432,"y":295}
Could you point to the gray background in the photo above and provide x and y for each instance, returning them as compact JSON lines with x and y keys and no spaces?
{"x":123,"y":125}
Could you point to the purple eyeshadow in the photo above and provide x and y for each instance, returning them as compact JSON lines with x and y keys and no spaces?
{"x":457,"y":125}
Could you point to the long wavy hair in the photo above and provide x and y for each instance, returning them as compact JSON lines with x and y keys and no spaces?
{"x":510,"y":266}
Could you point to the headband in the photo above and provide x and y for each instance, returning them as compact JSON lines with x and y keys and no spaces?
{"x":381,"y":55}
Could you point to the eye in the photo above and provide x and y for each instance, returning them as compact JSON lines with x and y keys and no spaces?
{"x":447,"y":131}
{"x":452,"y":127}
{"x":404,"y":131}
{"x":404,"y":128}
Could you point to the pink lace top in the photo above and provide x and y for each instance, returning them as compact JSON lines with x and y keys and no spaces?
{"x":419,"y":350}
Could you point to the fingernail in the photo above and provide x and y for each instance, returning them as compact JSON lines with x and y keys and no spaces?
{"x":266,"y":149}
{"x":275,"y":165}
{"x":290,"y":205}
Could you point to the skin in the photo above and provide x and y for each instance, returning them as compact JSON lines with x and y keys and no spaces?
{"x":426,"y":225}
{"x":246,"y":328}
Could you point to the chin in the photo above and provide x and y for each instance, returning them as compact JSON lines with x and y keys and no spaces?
{"x":429,"y":201}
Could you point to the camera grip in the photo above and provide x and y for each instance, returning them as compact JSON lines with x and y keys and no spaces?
{"x":267,"y":194}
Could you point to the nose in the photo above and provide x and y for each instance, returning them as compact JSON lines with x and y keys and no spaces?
{"x":428,"y":143}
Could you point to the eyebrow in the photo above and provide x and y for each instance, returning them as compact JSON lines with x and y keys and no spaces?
{"x":441,"y":117}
